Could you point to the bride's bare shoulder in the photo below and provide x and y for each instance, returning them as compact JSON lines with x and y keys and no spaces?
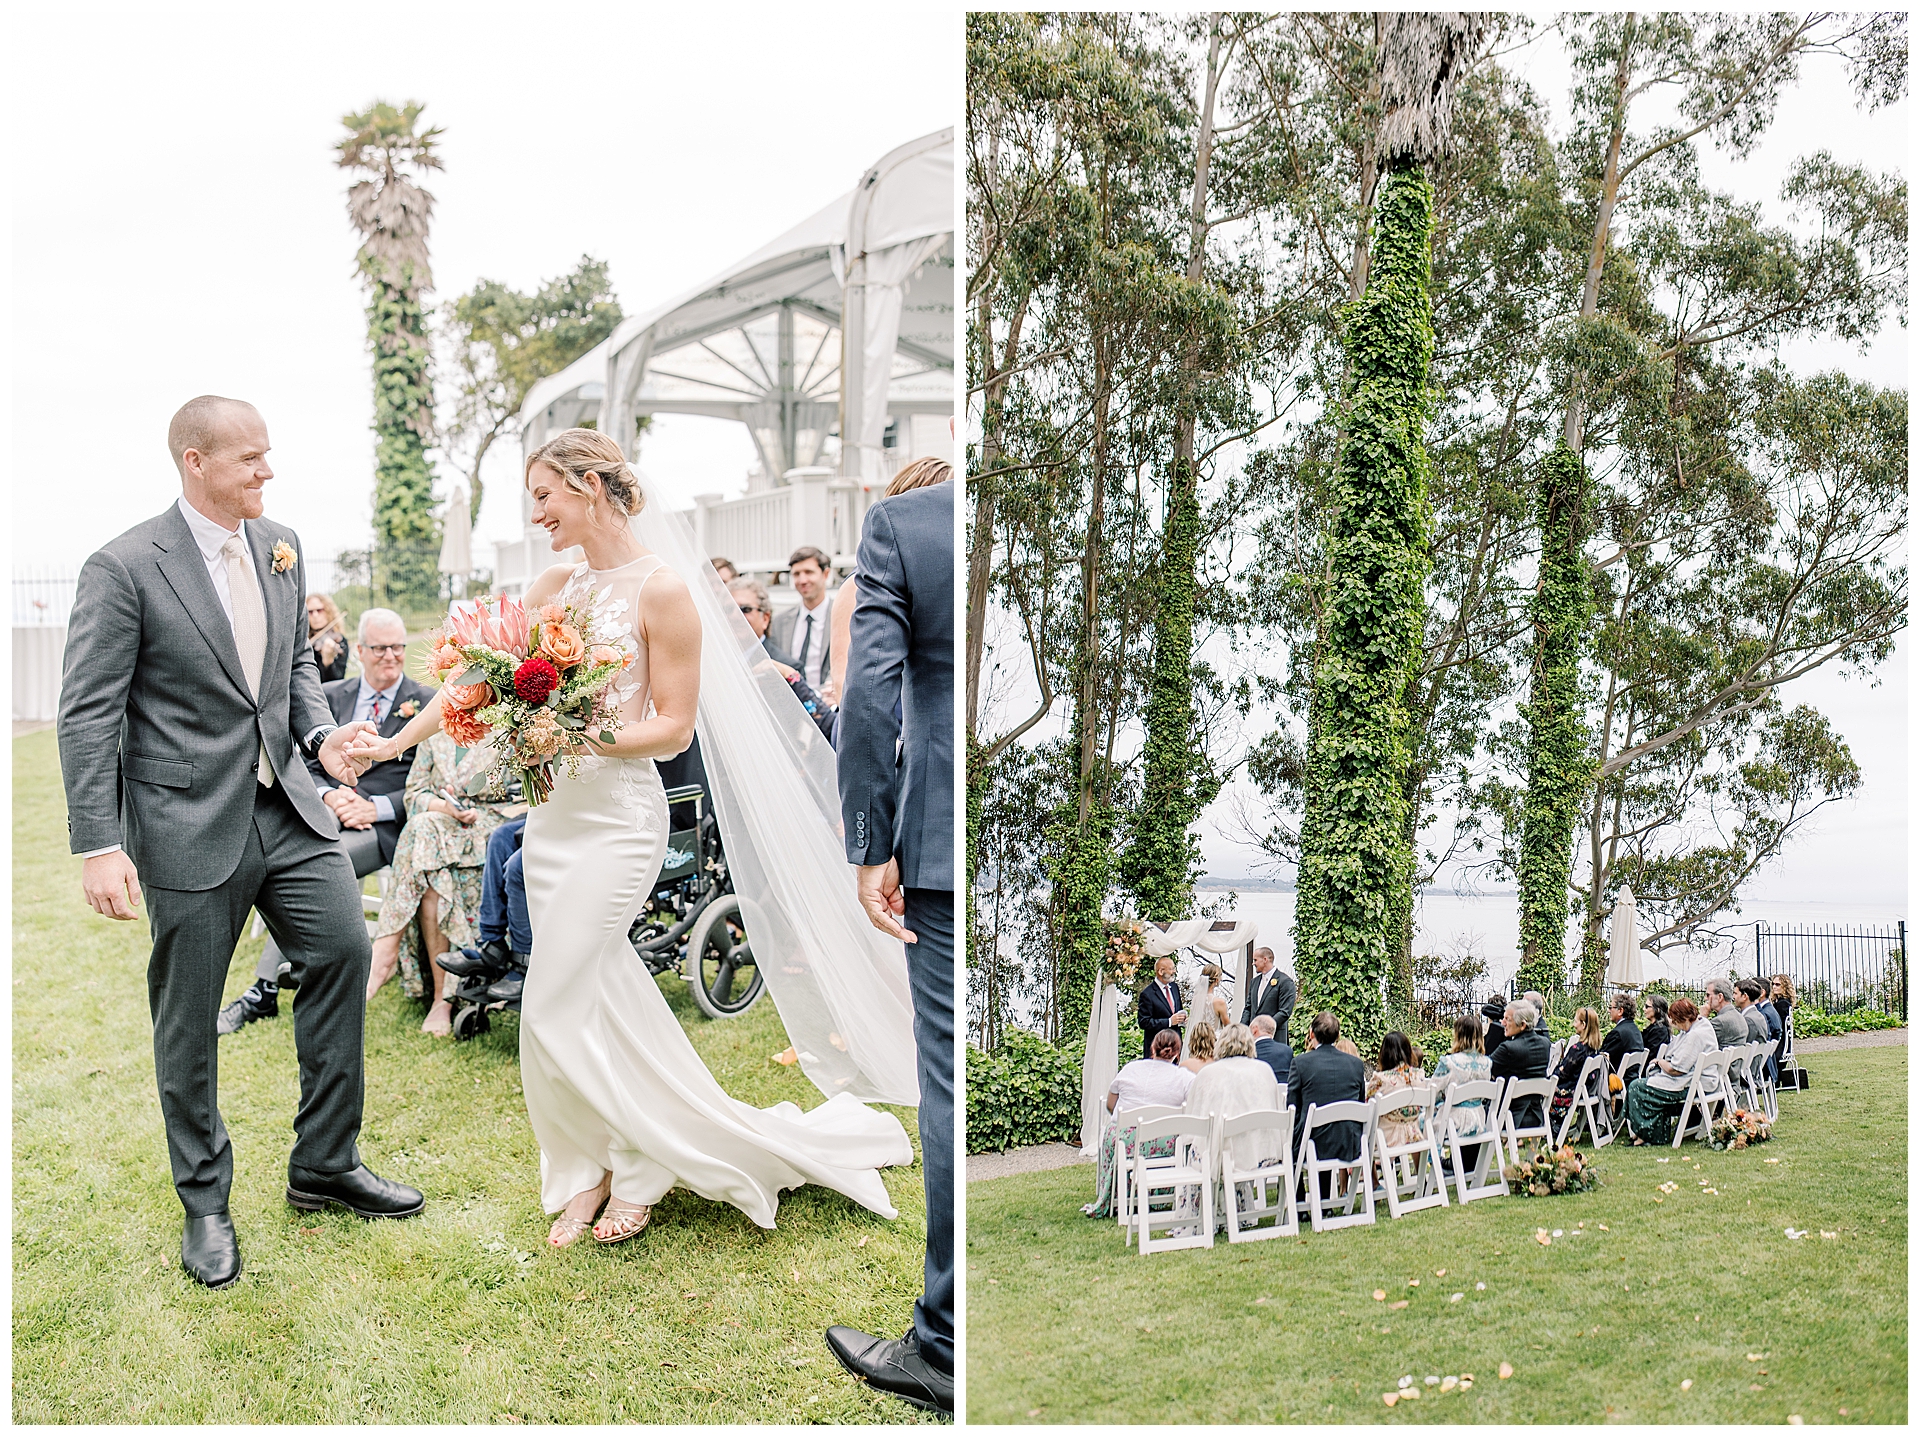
{"x":549,"y":583}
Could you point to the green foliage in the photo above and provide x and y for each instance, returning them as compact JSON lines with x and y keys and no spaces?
{"x":1810,"y":1022}
{"x":1559,"y":758}
{"x":1355,"y":863}
{"x":1080,"y":861}
{"x":1025,"y":1091}
{"x":504,"y":342}
{"x":392,"y":214}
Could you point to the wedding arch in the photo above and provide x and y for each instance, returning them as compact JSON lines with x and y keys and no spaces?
{"x":1101,"y":1059}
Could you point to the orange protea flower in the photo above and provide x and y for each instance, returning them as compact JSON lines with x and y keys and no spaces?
{"x":462,"y":727}
{"x":562,"y":644}
{"x":465,"y":696}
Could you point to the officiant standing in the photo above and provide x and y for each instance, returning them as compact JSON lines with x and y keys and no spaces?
{"x":897,"y":803}
{"x":188,"y":697}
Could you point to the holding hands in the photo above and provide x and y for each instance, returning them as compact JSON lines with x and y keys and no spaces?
{"x":343,"y":754}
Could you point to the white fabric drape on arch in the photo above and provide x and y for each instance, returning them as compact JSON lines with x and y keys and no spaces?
{"x":1196,"y":933}
{"x":840,"y":985}
{"x":1098,"y":1068}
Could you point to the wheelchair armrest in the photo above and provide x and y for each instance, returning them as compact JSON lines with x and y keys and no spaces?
{"x":685,"y":793}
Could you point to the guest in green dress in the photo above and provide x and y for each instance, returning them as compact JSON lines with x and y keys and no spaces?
{"x":454,"y":801}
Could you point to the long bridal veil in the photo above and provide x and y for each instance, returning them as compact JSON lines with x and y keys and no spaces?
{"x":840,"y":985}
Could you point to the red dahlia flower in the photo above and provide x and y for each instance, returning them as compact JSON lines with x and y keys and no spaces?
{"x":535,"y":679}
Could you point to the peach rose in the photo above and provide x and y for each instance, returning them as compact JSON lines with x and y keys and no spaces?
{"x":466,"y":696}
{"x":553,"y":614}
{"x":446,"y":658}
{"x":605,"y":654}
{"x":562,"y":644}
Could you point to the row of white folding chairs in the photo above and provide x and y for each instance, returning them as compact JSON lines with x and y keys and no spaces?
{"x":1412,"y":1175}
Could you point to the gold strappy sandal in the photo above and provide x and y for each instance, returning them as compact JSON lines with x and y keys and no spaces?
{"x":627,"y":1220}
{"x":568,"y":1230}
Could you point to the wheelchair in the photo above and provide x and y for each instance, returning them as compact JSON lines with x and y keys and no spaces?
{"x":691,"y":924}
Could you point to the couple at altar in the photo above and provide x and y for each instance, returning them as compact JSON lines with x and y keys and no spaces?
{"x":189,"y":697}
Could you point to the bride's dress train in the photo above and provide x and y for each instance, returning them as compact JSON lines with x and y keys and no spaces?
{"x":611,"y":1081}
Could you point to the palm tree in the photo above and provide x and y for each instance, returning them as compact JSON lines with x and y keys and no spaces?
{"x":1356,"y":861}
{"x":392,"y":213}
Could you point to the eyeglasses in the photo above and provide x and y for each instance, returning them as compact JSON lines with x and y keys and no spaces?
{"x":385,"y":649}
{"x":749,"y":608}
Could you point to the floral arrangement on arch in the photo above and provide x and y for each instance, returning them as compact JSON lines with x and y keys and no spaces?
{"x":1552,"y":1171}
{"x":1126,"y":946}
{"x":540,"y":682}
{"x":1742,"y":1130}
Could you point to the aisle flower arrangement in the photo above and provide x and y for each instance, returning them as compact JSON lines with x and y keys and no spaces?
{"x":1742,"y":1130}
{"x":1550,"y":1172}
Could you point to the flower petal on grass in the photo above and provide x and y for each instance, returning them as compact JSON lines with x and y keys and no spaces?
{"x":1687,"y":1385}
{"x":1379,"y":1295}
{"x":1456,"y":1297}
{"x":1447,"y":1384}
{"x":1389,"y":1398}
{"x":1479,"y":1287}
{"x":1506,"y":1371}
{"x":1395,"y":1306}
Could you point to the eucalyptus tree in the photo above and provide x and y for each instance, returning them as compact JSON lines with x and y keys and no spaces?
{"x":1355,"y":870}
{"x":1725,"y":75}
{"x":392,"y":211}
{"x":504,"y":342}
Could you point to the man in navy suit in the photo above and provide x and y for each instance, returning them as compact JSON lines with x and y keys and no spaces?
{"x":1271,"y":1050}
{"x":896,"y":799}
{"x":372,"y":812}
{"x":1159,"y":1006}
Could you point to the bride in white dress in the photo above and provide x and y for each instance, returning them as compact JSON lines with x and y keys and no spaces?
{"x":621,"y":1104}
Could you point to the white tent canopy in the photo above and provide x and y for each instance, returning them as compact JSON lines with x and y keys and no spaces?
{"x":762,"y":341}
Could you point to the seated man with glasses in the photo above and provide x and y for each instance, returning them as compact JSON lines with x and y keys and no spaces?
{"x":371,"y":814}
{"x":757,"y":609}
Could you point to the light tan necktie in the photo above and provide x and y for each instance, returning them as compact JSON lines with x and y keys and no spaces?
{"x":249,"y":626}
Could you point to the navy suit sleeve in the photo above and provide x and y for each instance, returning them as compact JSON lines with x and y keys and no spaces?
{"x":876,"y":665}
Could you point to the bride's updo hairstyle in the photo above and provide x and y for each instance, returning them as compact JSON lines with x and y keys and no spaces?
{"x":573,"y":454}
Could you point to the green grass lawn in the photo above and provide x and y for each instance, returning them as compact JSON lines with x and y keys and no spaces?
{"x":1064,"y":1324}
{"x":461,"y":1315}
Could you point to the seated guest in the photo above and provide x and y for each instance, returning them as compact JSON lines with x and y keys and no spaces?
{"x":370,"y":813}
{"x":1655,"y":1034}
{"x":506,"y":935}
{"x":1654,"y":1102}
{"x":1729,"y":1028}
{"x":1399,"y":1070}
{"x":1270,"y":1049}
{"x":1236,"y":1082}
{"x":1539,"y":1001}
{"x":1200,"y":1041}
{"x":1624,"y":1037}
{"x":1466,"y":1064}
{"x":1152,"y":1082}
{"x":1783,"y":997}
{"x":1494,"y":1030}
{"x":1523,"y":1053}
{"x":1746,"y":1000}
{"x":725,"y":569}
{"x":750,"y":597}
{"x":1323,"y":1074}
{"x":454,"y":802}
{"x":1159,"y":1007}
{"x":1585,"y":1044}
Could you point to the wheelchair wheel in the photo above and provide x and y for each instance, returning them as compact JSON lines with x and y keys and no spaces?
{"x":726,"y":980}
{"x":469,"y":1022}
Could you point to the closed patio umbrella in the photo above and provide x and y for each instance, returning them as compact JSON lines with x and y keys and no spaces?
{"x":1623,"y":958}
{"x":456,"y":547}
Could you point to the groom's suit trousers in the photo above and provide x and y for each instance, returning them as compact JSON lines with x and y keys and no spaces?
{"x":929,"y":917}
{"x":304,"y":888}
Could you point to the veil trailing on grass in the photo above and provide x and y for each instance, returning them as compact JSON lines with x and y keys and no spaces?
{"x":840,"y":985}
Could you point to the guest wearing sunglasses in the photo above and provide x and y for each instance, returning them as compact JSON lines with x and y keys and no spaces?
{"x":750,"y":596}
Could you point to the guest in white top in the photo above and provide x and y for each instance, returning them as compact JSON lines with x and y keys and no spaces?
{"x":1654,"y":1102}
{"x":1158,"y":1081}
{"x":1236,"y":1082}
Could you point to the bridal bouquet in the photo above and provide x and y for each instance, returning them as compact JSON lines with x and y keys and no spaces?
{"x":538,"y":682}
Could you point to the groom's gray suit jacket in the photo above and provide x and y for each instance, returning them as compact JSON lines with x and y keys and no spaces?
{"x":159,"y":738}
{"x":902,"y":647}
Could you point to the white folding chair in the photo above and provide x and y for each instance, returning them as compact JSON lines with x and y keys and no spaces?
{"x":1555,"y":1053}
{"x":1761,"y":1074}
{"x":1189,"y":1166}
{"x":1706,"y":1095}
{"x":1470,"y":1179}
{"x":1589,"y":1105}
{"x":1741,"y":1092}
{"x":1510,"y":1132}
{"x":1789,"y":1060}
{"x":1632,"y":1066}
{"x":1253,"y":1208}
{"x":1123,"y":1160}
{"x":1312,"y":1165}
{"x":1410,"y":1184}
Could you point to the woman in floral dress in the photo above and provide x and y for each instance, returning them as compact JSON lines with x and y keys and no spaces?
{"x":437,"y":869}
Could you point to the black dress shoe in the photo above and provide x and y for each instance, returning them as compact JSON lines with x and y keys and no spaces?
{"x":262,"y":1000}
{"x":360,"y":1192}
{"x":895,"y":1367}
{"x":285,"y":975}
{"x":492,"y":958}
{"x":210,"y":1250}
{"x":509,"y":988}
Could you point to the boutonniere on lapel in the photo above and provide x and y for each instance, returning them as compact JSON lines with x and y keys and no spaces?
{"x":408,"y":709}
{"x":284,"y":557}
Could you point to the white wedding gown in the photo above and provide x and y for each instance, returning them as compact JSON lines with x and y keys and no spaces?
{"x":611,"y":1081}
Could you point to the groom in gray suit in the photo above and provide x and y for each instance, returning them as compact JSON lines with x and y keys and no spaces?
{"x":897,"y":803}
{"x":188,"y":697}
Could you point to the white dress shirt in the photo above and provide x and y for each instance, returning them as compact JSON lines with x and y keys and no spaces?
{"x":812,"y":639}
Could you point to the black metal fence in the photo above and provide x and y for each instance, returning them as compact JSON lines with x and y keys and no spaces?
{"x":1837,"y":970}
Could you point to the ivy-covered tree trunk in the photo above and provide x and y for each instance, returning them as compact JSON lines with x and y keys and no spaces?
{"x":1356,"y":866}
{"x":1559,"y":763}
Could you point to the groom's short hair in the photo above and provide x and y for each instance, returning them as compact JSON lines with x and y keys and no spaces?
{"x":196,"y":425}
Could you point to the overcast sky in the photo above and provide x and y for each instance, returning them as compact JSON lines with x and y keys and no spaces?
{"x":180,"y":226}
